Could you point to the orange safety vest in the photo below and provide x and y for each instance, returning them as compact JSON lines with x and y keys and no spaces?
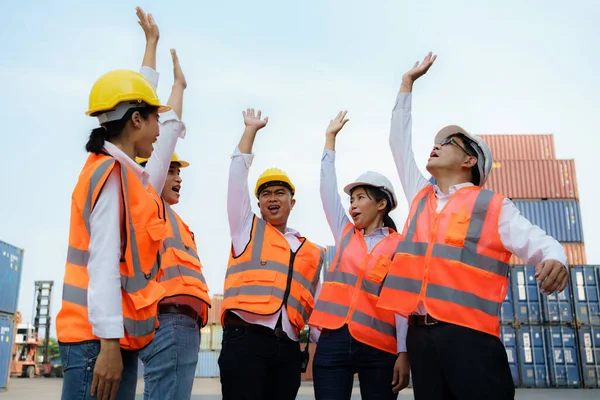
{"x":453,"y":261}
{"x":144,"y":231}
{"x":350,"y":292}
{"x":181,"y":270}
{"x":268,"y":275}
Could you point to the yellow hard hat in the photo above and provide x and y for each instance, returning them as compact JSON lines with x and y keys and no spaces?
{"x":118,"y":87}
{"x":174,"y":159}
{"x":274,"y":176}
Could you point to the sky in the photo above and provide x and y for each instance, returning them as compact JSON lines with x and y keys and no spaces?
{"x":502,"y":67}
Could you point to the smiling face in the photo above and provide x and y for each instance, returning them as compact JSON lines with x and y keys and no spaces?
{"x":452,"y":154}
{"x":170,"y":192}
{"x":365,"y":208}
{"x":276,"y":203}
{"x":145,"y":134}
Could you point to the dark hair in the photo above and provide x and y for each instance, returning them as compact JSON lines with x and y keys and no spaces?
{"x":378,"y":195}
{"x":468,"y":145}
{"x":113,"y":129}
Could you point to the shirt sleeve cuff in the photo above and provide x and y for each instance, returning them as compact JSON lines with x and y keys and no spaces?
{"x":109,"y":329}
{"x":403,"y":101}
{"x":247,"y":157}
{"x":171,"y":117}
{"x":328,"y":155}
{"x":150,"y":74}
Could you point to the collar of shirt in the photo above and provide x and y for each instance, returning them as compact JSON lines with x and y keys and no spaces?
{"x":123,"y":158}
{"x":293,"y":232}
{"x":440,"y":195}
{"x":383,"y":231}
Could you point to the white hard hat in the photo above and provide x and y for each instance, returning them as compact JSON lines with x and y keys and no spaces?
{"x":375,"y":179}
{"x":484,"y":154}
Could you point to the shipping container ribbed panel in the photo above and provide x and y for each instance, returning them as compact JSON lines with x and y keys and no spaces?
{"x":214,"y":312}
{"x":563,"y":360}
{"x":560,"y":219}
{"x":521,"y":147}
{"x":541,"y":179}
{"x":508,"y":336}
{"x":208,"y":364}
{"x":533,"y":363}
{"x":585,"y":284}
{"x":11,"y":267}
{"x":575,"y":254}
{"x":7,"y":336}
{"x":589,"y":349}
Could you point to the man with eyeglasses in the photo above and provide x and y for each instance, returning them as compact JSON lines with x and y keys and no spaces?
{"x":449,"y":273}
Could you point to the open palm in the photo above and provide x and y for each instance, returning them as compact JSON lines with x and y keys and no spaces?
{"x":254,"y":121}
{"x":418,"y":70}
{"x":336,"y":124}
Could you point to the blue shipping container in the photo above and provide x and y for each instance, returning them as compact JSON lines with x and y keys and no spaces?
{"x":507,"y":312}
{"x":526,"y":294}
{"x":560,"y":219}
{"x":11,"y":260}
{"x":7,"y":336}
{"x":557,"y":308}
{"x":589,"y":347}
{"x":533,"y":364}
{"x":509,"y":339}
{"x":585,"y":284}
{"x":563,"y":365}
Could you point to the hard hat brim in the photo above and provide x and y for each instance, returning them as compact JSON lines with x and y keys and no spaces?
{"x":348,"y":189}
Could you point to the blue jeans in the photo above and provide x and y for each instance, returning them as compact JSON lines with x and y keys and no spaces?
{"x":339,"y":356}
{"x":78,"y":362}
{"x":170,"y":360}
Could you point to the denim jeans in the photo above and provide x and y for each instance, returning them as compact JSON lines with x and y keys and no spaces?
{"x":79,"y":360}
{"x":339,"y":356}
{"x":170,"y":359}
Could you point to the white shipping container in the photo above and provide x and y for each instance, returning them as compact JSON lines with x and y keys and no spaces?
{"x":205,"y":337}
{"x":208,"y":364}
{"x":217,"y":336}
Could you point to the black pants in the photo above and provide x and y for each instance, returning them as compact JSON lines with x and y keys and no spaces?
{"x":452,"y":362}
{"x":339,"y":356}
{"x":258,"y":366}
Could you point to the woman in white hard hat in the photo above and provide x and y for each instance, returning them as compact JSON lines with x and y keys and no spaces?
{"x":356,"y":336}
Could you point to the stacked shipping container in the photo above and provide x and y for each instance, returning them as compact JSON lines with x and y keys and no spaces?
{"x":11,"y":261}
{"x":544,"y":336}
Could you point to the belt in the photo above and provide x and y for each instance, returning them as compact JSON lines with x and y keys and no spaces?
{"x":234,"y":320}
{"x":423,"y":320}
{"x":181,"y":309}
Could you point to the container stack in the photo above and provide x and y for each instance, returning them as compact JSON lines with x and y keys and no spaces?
{"x":551,"y":341}
{"x":210,"y":341}
{"x":11,"y":261}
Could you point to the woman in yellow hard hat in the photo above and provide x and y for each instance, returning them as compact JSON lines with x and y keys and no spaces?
{"x":110,"y":293}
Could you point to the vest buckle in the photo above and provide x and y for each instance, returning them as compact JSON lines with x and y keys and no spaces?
{"x":263,"y":263}
{"x":148,"y":276}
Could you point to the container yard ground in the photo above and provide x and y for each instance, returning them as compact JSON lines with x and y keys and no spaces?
{"x":210,"y":389}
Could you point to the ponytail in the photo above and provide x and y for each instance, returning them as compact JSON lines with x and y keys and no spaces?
{"x":389,"y":222}
{"x":113,"y":129}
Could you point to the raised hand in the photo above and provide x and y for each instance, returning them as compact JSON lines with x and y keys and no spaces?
{"x":254,"y":121}
{"x":179,"y":78}
{"x":148,"y":24}
{"x":418,"y":70}
{"x":336,"y":124}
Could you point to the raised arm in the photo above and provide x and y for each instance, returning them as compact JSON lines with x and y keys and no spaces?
{"x":239,"y":209}
{"x":411,"y":178}
{"x":171,"y":127}
{"x":330,"y":197}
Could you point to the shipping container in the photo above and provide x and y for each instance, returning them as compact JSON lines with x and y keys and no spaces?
{"x":575,"y":254}
{"x":216,"y":334}
{"x":7,"y":335}
{"x":560,"y":219}
{"x":507,"y":311}
{"x":585,"y":284}
{"x":205,"y":338}
{"x":214,"y":312}
{"x":526,"y":292}
{"x":557,"y":308}
{"x":11,"y":262}
{"x":508,"y":336}
{"x":589,"y":347}
{"x":563,"y":363}
{"x":533,"y":363}
{"x":521,"y":147}
{"x":548,"y":179}
{"x":208,"y":364}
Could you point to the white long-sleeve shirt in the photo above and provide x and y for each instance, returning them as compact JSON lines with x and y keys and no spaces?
{"x":240,"y":215}
{"x":104,"y":290}
{"x":519,"y":236}
{"x":338,"y":219}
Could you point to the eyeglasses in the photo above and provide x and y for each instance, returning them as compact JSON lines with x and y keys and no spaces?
{"x":451,"y":140}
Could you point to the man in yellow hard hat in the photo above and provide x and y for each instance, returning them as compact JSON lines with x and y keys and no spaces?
{"x":271,"y":280}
